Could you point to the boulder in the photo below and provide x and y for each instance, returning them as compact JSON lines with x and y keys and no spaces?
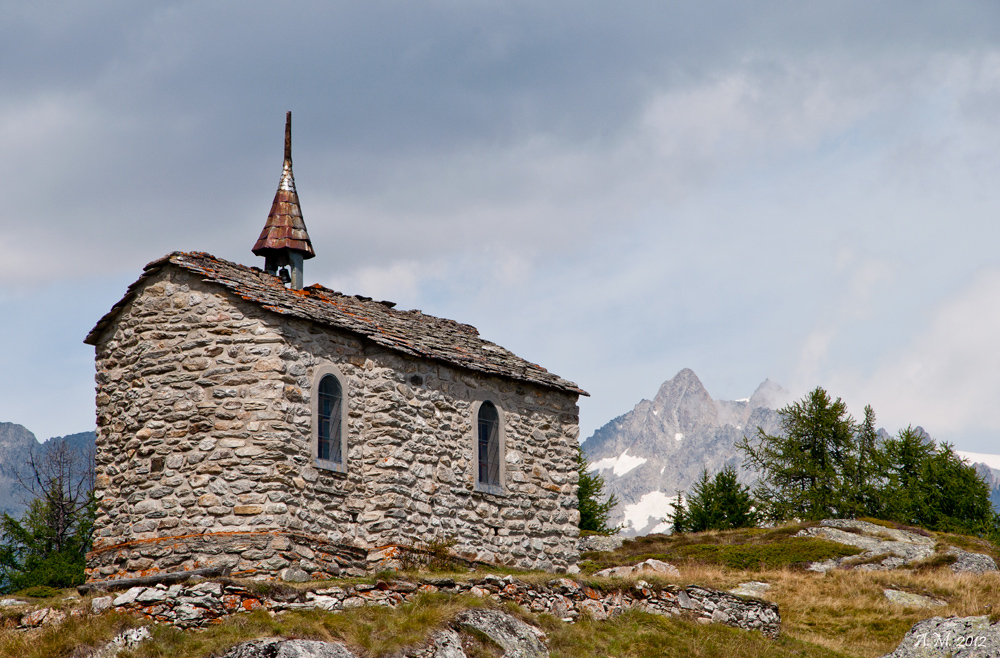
{"x":941,"y":637}
{"x":100,"y":604}
{"x":912,"y":600}
{"x":971,"y":562}
{"x":446,"y":644}
{"x":650,"y":566}
{"x":517,"y":639}
{"x":753,"y":589}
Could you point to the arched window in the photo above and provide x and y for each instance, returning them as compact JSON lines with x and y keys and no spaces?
{"x":329,"y":421}
{"x":489,"y":446}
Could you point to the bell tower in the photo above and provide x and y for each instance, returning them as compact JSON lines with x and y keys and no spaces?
{"x":284,"y":242}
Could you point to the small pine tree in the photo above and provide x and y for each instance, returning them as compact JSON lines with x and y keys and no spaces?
{"x":594,"y":514}
{"x":719,"y":503}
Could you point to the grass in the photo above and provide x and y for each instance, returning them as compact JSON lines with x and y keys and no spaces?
{"x":71,"y":637}
{"x":842,"y":613}
{"x":369,"y":631}
{"x":751,"y":549}
{"x":640,"y":635}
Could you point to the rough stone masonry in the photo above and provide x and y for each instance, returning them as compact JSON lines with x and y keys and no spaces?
{"x":205,"y":372}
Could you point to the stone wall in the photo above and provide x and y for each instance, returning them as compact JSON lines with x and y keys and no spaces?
{"x":198,"y":604}
{"x":204,"y":451}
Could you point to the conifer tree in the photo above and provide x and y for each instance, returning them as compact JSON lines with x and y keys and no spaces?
{"x":594,"y":510}
{"x":803,"y":467}
{"x":49,"y":543}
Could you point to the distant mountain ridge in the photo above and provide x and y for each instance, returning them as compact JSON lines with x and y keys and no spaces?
{"x":660,"y":447}
{"x":16,"y":444}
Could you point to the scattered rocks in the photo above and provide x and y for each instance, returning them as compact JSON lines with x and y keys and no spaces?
{"x":599,"y":543}
{"x":912,"y":600}
{"x":43,"y":617}
{"x":651,"y":566}
{"x":961,"y":637}
{"x":971,"y":562}
{"x":517,"y":639}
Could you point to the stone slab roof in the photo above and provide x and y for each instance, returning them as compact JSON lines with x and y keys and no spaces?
{"x":409,"y":332}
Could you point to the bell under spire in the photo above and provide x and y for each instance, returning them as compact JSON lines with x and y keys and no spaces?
{"x":284,"y":240}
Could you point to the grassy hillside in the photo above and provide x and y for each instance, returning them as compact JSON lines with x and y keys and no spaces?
{"x":842,"y":613}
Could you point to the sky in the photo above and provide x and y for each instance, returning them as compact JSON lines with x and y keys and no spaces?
{"x":801,"y":191}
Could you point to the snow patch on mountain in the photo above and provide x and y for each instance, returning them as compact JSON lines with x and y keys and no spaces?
{"x":650,"y":510}
{"x":620,"y":465}
{"x":993,"y":461}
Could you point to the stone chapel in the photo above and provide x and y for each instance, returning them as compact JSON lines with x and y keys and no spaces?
{"x":251,"y":423}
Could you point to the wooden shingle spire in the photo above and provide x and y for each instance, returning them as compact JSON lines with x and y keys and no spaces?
{"x":284,"y":240}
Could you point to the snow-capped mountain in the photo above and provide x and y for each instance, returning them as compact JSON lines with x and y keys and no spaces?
{"x":658,"y":449}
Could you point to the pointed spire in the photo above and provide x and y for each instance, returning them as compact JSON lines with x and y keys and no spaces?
{"x":284,"y":240}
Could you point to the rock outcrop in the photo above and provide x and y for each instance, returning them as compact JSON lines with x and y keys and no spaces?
{"x":278,"y":648}
{"x":887,"y":548}
{"x":516,"y":638}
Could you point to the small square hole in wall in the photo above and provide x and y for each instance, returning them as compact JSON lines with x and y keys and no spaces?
{"x":416,"y":380}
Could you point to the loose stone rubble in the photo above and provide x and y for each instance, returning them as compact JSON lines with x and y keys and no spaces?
{"x":886,"y":548}
{"x":950,"y":637}
{"x":196,"y":605}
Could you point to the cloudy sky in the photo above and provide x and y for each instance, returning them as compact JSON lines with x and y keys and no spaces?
{"x":805,"y":191}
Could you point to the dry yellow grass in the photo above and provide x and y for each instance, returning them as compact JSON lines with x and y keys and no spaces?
{"x":846,"y":611}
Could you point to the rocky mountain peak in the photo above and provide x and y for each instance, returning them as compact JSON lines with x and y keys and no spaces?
{"x":683,"y":404}
{"x":659,"y":448}
{"x":770,"y":395}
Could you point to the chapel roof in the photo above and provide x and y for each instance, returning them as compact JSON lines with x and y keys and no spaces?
{"x":408,"y":332}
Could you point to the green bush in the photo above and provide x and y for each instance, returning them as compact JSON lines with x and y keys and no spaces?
{"x":39,"y":592}
{"x":719,"y":503}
